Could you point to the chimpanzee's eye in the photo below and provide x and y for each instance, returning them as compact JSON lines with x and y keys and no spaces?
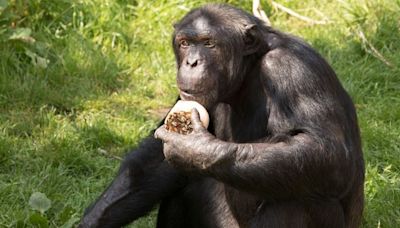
{"x":184,"y":43}
{"x":209,"y":43}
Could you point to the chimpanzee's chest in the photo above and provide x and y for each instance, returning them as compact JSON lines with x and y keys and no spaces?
{"x":232,"y":126}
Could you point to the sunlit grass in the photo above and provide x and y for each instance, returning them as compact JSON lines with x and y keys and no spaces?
{"x":100,"y":69}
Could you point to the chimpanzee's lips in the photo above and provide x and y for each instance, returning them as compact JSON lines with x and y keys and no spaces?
{"x":191,"y":95}
{"x":200,"y":98}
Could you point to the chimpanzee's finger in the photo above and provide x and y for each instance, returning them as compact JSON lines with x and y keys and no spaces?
{"x":196,"y":122}
{"x":163,"y":134}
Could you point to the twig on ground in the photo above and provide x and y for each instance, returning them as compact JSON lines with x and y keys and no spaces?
{"x":322,"y":15}
{"x":301,"y":17}
{"x":373,"y":50}
{"x":259,"y":12}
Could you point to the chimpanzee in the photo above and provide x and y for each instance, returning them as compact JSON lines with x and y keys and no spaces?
{"x":283,"y":146}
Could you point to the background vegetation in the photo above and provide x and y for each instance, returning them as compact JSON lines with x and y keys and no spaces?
{"x":82,"y":81}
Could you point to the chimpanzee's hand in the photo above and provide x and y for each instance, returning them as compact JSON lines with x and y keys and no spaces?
{"x":198,"y":150}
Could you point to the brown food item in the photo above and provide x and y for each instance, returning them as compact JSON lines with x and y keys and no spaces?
{"x":179,"y":118}
{"x":179,"y":122}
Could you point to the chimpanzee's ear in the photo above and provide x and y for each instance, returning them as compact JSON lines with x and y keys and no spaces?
{"x":251,"y":39}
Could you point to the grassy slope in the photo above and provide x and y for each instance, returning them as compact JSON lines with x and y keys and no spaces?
{"x":110,"y":64}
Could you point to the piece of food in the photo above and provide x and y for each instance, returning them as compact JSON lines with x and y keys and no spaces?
{"x":179,"y":118}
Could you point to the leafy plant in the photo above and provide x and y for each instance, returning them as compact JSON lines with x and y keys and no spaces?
{"x":39,"y":202}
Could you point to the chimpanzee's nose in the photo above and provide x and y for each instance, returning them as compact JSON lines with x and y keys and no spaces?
{"x":193,"y":59}
{"x":192,"y":62}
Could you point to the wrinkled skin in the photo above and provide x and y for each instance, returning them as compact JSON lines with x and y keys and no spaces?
{"x":195,"y":147}
{"x":282,"y":149}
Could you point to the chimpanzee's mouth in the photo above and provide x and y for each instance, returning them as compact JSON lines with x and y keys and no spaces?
{"x":192,"y":96}
{"x":191,"y":93}
{"x":203,"y":97}
{"x":186,"y":96}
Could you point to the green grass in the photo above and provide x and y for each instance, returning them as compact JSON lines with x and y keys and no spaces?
{"x":82,"y":78}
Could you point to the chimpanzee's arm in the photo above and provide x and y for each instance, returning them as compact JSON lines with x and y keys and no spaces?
{"x":144,"y":179}
{"x":300,"y":167}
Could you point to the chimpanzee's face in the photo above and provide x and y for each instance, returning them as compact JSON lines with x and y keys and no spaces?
{"x":200,"y":66}
{"x":209,"y":58}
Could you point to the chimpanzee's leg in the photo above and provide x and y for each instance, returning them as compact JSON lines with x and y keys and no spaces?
{"x":295,"y":214}
{"x":144,"y":179}
{"x":172,"y":212}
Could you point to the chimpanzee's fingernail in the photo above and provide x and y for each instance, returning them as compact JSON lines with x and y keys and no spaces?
{"x":196,"y":119}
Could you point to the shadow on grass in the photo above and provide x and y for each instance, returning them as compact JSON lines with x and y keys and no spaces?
{"x":66,"y":64}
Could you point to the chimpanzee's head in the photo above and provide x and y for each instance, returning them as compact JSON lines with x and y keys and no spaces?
{"x":213,"y":48}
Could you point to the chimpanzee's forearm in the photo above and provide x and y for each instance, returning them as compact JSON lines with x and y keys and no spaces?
{"x":300,"y":167}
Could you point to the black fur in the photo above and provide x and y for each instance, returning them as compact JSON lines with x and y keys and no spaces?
{"x":284,"y":148}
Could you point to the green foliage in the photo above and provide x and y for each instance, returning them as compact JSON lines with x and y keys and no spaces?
{"x":80,"y":82}
{"x":39,"y":202}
